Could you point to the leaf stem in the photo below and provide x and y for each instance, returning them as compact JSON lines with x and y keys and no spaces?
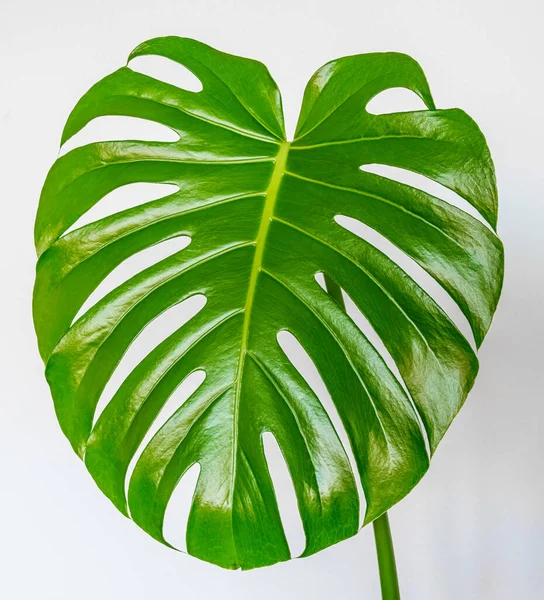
{"x":386,"y":558}
{"x":382,"y":531}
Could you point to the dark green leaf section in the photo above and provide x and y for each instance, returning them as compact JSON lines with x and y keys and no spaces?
{"x":260,"y":213}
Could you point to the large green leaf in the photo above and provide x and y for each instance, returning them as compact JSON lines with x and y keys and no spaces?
{"x":260,"y":212}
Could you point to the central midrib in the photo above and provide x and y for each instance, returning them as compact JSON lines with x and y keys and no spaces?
{"x":260,"y":241}
{"x":266,"y":219}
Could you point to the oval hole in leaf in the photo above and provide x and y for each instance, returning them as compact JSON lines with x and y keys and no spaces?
{"x":368,"y":331}
{"x":123,"y":198}
{"x":132,"y":266}
{"x":118,"y":128}
{"x":394,"y":100}
{"x":413,"y":269}
{"x":366,"y":328}
{"x":148,"y":339}
{"x":179,"y":507}
{"x":167,"y":70}
{"x":303,"y":363}
{"x":423,"y":183}
{"x":186,"y":388}
{"x":320,"y":278}
{"x":285,"y":495}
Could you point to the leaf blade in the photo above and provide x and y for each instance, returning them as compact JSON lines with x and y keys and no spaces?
{"x":260,"y":213}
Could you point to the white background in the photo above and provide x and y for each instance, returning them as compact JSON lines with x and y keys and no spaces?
{"x":474,"y":527}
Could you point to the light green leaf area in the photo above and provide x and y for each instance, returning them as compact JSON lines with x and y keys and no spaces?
{"x":260,"y":212}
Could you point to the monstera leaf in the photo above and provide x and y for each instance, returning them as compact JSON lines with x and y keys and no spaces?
{"x":260,"y":212}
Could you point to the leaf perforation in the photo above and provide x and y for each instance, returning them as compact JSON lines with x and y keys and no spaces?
{"x":390,"y":202}
{"x":203,"y":334}
{"x":147,"y":225}
{"x":163,"y":282}
{"x":338,"y":342}
{"x":249,"y":111}
{"x":274,"y":382}
{"x":378,"y":283}
{"x":222,"y":125}
{"x":358,"y":90}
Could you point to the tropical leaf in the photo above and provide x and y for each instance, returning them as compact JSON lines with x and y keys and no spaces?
{"x":260,"y":212}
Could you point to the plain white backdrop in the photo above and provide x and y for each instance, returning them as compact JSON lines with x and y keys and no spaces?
{"x":474,"y":527}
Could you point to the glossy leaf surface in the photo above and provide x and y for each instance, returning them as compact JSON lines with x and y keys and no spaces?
{"x":260,"y":213}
